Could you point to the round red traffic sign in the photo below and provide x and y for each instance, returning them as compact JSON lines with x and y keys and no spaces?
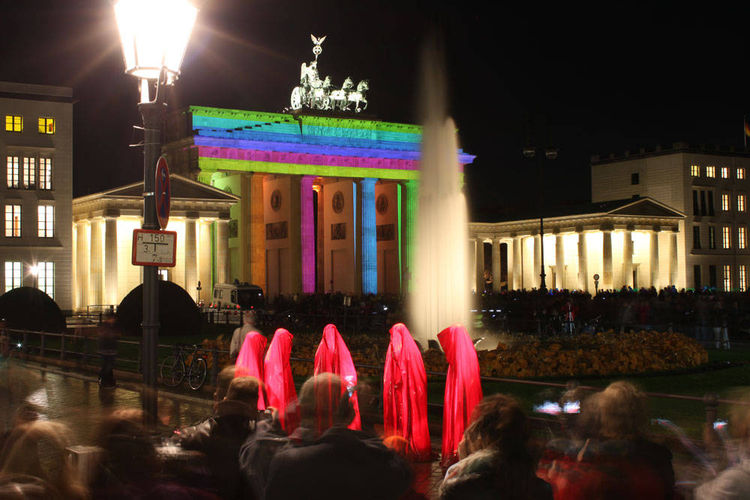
{"x":163,"y":193}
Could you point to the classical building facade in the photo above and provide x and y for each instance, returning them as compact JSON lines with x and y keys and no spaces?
{"x":36,"y":145}
{"x":709,"y":186}
{"x":633,"y":242}
{"x":326,"y":203}
{"x":103,"y":225}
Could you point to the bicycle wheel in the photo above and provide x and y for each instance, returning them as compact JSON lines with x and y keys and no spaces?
{"x":197,"y":373}
{"x":172,"y":371}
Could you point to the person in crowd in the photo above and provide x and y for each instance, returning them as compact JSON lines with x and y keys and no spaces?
{"x":249,"y":319}
{"x":35,"y":464}
{"x":341,"y":463}
{"x":495,"y":460}
{"x":221,"y":438}
{"x":734,"y":482}
{"x":614,"y":459}
{"x":107,"y":348}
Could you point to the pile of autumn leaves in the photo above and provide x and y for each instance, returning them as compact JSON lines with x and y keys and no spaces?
{"x":606,"y":353}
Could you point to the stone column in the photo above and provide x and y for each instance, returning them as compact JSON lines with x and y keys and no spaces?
{"x":82,"y":265}
{"x":96,"y":275}
{"x":222,"y":252}
{"x":110,"y":261}
{"x":479,"y":263}
{"x":559,"y":262}
{"x":627,"y":259}
{"x":368,"y":246}
{"x":583,"y":262}
{"x":320,"y":286}
{"x":257,"y":233}
{"x":607,"y":281}
{"x":673,"y":269}
{"x":536,"y":279}
{"x":497,"y":266}
{"x":654,"y":265}
{"x":295,"y":236}
{"x":517,"y":257}
{"x":410,"y":203}
{"x":307,"y":233}
{"x":191,"y":262}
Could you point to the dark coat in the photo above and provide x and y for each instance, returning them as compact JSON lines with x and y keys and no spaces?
{"x":343,"y":464}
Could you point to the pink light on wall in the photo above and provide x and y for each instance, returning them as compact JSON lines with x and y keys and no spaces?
{"x":307,"y":233}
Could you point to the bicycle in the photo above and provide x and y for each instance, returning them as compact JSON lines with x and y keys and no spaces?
{"x":175,"y":367}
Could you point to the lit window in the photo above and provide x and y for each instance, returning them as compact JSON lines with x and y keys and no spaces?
{"x":725,"y":172}
{"x":740,"y":173}
{"x":695,"y":170}
{"x":45,"y":277}
{"x":13,"y":171}
{"x":13,"y":123}
{"x":12,"y":221}
{"x":740,"y":202}
{"x":164,"y":274}
{"x":725,"y":202}
{"x":46,"y":125}
{"x":46,"y":218}
{"x":45,"y":173}
{"x":727,"y":278}
{"x":742,"y":275}
{"x":710,"y":171}
{"x":12,"y":275}
{"x":726,"y":237}
{"x":741,"y":239}
{"x":29,"y":172}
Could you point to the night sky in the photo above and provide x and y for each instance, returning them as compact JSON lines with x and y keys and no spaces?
{"x":599,"y":80}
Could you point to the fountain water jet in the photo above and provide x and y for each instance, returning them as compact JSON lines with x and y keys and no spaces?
{"x":440,"y":290}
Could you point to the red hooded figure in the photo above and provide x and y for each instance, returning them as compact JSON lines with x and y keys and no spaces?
{"x":250,"y":361}
{"x":333,"y":356}
{"x":463,"y":388}
{"x":405,"y":394}
{"x":279,"y":382}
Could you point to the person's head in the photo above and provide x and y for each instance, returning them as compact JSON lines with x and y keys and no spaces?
{"x":123,"y":436}
{"x":223,"y":380}
{"x":617,"y":412}
{"x":39,"y":450}
{"x":243,"y":389}
{"x":497,"y":422}
{"x":324,"y":403}
{"x":249,"y":317}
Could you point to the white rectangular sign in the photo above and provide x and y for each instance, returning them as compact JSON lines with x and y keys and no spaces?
{"x":154,"y":248}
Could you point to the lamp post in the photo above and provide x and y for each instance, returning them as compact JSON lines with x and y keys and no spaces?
{"x":154,"y":36}
{"x":540,"y":154}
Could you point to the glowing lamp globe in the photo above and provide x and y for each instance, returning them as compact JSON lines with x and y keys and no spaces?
{"x":154,"y":35}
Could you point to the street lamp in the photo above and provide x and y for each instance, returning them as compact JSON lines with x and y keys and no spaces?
{"x":540,"y":154}
{"x":154,"y":36}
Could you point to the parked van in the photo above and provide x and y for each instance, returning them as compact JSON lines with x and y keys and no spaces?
{"x":237,"y":296}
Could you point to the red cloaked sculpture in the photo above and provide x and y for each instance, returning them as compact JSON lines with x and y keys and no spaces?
{"x":333,"y":356}
{"x":463,"y":388}
{"x":405,"y":394}
{"x":280,"y":389}
{"x":250,"y":361}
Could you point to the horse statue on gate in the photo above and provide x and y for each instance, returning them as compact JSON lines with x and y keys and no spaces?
{"x":358,"y":96}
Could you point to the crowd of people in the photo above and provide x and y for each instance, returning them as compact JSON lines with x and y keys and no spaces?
{"x":239,"y":452}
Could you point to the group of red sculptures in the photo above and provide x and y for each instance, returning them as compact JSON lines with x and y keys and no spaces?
{"x":404,"y":383}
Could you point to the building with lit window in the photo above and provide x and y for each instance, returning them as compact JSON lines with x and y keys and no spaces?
{"x":103,"y":224}
{"x":709,"y":186}
{"x":36,"y":188}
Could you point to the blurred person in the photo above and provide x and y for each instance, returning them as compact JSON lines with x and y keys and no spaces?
{"x":734,"y":482}
{"x":35,"y":464}
{"x":107,"y":349}
{"x":614,"y":458}
{"x":221,"y":438}
{"x":238,"y":336}
{"x":341,"y":463}
{"x":495,"y":460}
{"x":333,"y":356}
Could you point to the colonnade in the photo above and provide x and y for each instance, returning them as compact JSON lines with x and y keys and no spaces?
{"x":616,"y":257}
